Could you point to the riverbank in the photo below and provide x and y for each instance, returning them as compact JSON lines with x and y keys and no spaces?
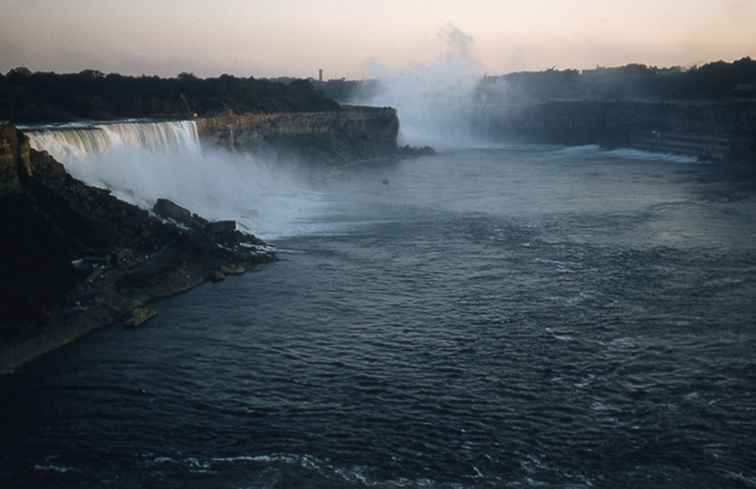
{"x":77,"y":258}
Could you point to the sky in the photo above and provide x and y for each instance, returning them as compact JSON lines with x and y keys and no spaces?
{"x":345,"y":37}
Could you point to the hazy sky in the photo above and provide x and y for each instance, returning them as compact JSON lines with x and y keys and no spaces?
{"x":296,"y":37}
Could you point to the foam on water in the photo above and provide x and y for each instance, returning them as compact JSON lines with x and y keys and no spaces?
{"x":594,"y":150}
{"x":637,"y":154}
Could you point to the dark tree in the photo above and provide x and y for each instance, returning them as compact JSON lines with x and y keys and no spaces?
{"x":90,"y":94}
{"x":717,"y":81}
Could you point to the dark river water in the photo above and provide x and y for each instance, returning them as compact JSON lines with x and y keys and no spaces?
{"x":514,"y":317}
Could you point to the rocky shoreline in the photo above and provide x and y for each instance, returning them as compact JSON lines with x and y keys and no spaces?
{"x":75,"y":258}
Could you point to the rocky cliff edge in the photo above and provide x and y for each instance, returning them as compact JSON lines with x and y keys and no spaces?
{"x":75,"y":258}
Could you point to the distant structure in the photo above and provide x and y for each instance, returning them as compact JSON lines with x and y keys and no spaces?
{"x":320,"y":74}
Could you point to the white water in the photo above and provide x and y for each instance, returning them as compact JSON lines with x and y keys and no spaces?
{"x":76,"y":143}
{"x":143,"y":161}
{"x":435,"y":101}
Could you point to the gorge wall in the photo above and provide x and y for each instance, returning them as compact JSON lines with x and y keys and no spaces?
{"x":350,"y":134}
{"x":723,"y":131}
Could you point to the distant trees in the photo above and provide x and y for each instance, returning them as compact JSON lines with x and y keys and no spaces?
{"x":91,"y":94}
{"x":91,"y":74}
{"x":719,"y":80}
{"x":19,"y":72}
{"x":345,"y":90}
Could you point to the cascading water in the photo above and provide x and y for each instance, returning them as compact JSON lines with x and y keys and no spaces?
{"x":71,"y":143}
{"x":143,"y":161}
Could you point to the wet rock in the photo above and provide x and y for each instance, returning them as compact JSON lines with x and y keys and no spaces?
{"x":415,"y":151}
{"x":221,"y":227}
{"x":139,"y":316}
{"x":122,"y":258}
{"x":199,"y":220}
{"x":170,"y":210}
{"x":233,"y":269}
{"x":217,"y":276}
{"x":14,"y":159}
{"x":82,"y":266}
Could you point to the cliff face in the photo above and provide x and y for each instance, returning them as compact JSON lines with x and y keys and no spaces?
{"x":353,"y":133}
{"x":722,"y":130}
{"x":15,"y":160}
{"x":74,"y":258}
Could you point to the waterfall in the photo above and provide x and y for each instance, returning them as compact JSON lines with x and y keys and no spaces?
{"x":75,"y":143}
{"x":140,"y":162}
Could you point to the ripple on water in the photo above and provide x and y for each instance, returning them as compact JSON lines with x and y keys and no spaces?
{"x":463,"y":333}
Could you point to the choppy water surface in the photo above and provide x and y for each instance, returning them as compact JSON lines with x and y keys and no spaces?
{"x":521,"y":317}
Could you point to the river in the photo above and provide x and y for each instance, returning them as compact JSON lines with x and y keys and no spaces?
{"x":519,"y":316}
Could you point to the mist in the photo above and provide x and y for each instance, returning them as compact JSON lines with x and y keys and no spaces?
{"x":434,"y":101}
{"x":266,"y":196}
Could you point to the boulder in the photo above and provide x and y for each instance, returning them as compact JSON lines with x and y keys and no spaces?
{"x":170,"y":210}
{"x":199,"y":220}
{"x":48,"y":171}
{"x":232,"y":269}
{"x":217,"y":276}
{"x":221,"y":227}
{"x":82,"y":266}
{"x":122,"y":258}
{"x":139,"y":316}
{"x":415,"y":151}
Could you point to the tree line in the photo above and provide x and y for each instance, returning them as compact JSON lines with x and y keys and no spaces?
{"x":27,"y":96}
{"x":713,"y":81}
